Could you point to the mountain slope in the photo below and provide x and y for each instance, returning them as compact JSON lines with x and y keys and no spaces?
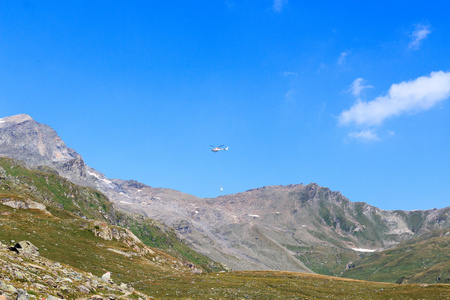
{"x":423,"y":259}
{"x":85,"y":245}
{"x":21,"y":187}
{"x":72,"y":247}
{"x":304,"y":228}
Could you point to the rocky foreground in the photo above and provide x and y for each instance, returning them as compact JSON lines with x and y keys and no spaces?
{"x":26,"y":275}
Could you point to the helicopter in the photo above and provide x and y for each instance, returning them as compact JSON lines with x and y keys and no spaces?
{"x":218,"y":148}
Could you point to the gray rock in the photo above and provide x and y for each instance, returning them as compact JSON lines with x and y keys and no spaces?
{"x":123,"y":287}
{"x":22,"y":295}
{"x":26,"y":247}
{"x":83,"y":289}
{"x":25,"y":204}
{"x":64,"y":288}
{"x":106,"y":276}
{"x":2,"y":285}
{"x":88,"y":285}
{"x":11,"y":289}
{"x":19,"y":275}
{"x":51,"y":283}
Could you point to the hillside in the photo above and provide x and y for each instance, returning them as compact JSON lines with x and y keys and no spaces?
{"x":305,"y":228}
{"x":423,"y":259}
{"x":73,"y":257}
{"x":21,"y":187}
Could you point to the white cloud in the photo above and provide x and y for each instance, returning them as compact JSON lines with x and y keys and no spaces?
{"x":278,"y":5}
{"x":342,"y":57}
{"x":419,"y":34}
{"x":357,"y":86}
{"x":405,"y":97}
{"x":364,"y":135}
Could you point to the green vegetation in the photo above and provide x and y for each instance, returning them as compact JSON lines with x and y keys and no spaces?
{"x":285,"y":285}
{"x":324,"y":260}
{"x":424,"y":259}
{"x":62,"y":197}
{"x":70,"y":240}
{"x":53,"y":191}
{"x":414,"y":219}
{"x":325,"y":214}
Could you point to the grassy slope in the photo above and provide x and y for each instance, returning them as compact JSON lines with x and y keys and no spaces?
{"x":52,"y":190}
{"x":424,"y":259}
{"x":69,"y":240}
{"x":286,"y":285}
{"x":342,"y":223}
{"x":17,"y":181}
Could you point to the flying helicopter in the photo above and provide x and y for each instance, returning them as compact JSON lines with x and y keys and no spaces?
{"x":218,"y":148}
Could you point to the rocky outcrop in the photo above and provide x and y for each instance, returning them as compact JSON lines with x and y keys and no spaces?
{"x":108,"y":232}
{"x":25,"y":247}
{"x":23,"y":204}
{"x":46,"y":279}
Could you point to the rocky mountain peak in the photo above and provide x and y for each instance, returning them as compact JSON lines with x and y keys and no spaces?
{"x":13,"y":120}
{"x":37,"y":144}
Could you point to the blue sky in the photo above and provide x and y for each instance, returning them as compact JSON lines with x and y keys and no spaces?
{"x":351,"y":95}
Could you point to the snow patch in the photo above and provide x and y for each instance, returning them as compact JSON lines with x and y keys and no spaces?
{"x":106,"y":181}
{"x":93,"y":174}
{"x":363,"y":250}
{"x":109,"y":182}
{"x":125,"y":202}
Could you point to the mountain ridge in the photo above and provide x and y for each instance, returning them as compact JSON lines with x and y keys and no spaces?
{"x":297,"y":227}
{"x":78,"y":245}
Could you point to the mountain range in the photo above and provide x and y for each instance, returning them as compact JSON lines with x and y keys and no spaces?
{"x":300,"y":228}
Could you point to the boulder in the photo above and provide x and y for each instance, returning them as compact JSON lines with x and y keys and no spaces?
{"x":22,"y":294}
{"x":25,"y":204}
{"x":106,"y":276}
{"x":83,"y":289}
{"x":25,"y":247}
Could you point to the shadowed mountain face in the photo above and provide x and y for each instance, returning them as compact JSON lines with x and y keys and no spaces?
{"x":295,"y":228}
